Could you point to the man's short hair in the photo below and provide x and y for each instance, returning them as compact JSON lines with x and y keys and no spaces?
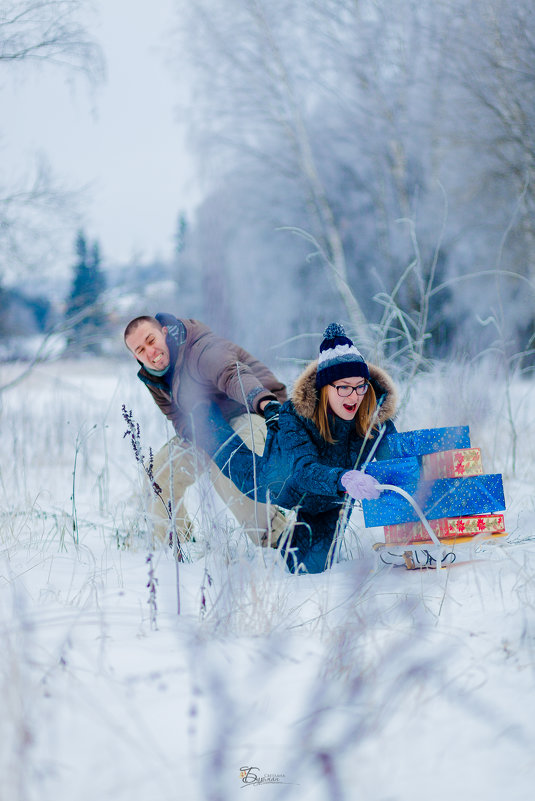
{"x":133,"y":324}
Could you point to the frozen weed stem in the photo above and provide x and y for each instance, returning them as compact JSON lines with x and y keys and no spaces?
{"x":80,"y":441}
{"x":133,"y":432}
{"x":151,"y":586}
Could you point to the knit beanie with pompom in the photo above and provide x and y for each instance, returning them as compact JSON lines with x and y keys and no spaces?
{"x":338,"y":357}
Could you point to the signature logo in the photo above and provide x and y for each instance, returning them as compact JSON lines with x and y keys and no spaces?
{"x":251,"y":775}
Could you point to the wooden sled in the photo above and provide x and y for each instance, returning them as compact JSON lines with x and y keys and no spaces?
{"x":423,"y":555}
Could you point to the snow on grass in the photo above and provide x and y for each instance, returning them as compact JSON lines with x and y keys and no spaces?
{"x":365,"y":682}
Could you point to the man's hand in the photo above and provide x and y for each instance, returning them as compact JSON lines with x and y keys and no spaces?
{"x":271,"y":414}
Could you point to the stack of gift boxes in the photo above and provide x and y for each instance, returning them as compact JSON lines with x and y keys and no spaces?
{"x":440,"y":469}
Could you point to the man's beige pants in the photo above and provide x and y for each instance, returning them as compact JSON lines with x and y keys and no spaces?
{"x":178,"y":465}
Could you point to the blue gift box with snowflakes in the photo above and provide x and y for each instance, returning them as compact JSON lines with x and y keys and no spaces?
{"x":404,"y":473}
{"x":445,"y":497}
{"x":428,"y":440}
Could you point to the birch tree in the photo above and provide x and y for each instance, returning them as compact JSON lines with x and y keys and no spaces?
{"x":396,"y":137}
{"x":244,"y":54}
{"x":494,"y":69}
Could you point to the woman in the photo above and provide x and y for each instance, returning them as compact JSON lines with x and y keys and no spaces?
{"x":338,"y":418}
{"x":339,"y":411}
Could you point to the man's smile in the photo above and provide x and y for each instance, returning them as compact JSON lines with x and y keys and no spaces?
{"x":147,"y":343}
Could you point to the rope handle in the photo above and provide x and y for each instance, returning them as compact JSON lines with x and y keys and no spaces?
{"x":418,"y":511}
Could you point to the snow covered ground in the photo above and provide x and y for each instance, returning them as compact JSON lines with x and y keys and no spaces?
{"x":364,"y":683}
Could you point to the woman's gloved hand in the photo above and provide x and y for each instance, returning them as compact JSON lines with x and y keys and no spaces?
{"x":360,"y":485}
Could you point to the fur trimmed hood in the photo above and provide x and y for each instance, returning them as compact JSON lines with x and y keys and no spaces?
{"x":304,"y":395}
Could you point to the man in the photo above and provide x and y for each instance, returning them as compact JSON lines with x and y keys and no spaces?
{"x":184,"y":364}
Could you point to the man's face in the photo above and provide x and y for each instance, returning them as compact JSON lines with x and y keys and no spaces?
{"x":147,"y":343}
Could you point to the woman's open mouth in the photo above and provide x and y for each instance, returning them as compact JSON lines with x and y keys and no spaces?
{"x":350,"y":407}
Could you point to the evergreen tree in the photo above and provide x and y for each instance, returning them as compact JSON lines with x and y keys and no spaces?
{"x":180,"y":235}
{"x":84,"y":309}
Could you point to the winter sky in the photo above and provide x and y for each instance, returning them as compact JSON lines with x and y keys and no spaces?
{"x":121,"y":139}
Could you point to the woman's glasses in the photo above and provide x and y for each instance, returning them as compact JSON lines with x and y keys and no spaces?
{"x":344,"y":390}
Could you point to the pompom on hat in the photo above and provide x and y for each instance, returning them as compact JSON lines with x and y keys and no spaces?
{"x":338,"y":358}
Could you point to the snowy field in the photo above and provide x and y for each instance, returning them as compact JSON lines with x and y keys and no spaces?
{"x":366,"y":683}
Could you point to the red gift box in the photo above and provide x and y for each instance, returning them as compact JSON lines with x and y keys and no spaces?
{"x":445,"y":528}
{"x":452,"y":464}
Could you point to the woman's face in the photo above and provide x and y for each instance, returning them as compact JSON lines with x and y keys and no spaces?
{"x":345,"y":407}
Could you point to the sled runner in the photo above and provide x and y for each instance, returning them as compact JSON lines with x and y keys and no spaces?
{"x":421,"y":555}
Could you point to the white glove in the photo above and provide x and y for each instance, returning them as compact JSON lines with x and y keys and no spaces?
{"x":360,"y":485}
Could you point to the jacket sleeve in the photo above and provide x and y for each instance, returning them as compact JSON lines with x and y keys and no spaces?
{"x":264,"y":375}
{"x":221,"y":364}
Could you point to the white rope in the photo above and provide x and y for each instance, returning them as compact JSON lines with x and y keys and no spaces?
{"x":420,"y":514}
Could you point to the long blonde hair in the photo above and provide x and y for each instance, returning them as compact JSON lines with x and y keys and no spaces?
{"x":363,"y":418}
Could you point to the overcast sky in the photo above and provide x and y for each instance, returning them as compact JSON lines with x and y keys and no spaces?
{"x":122,"y":139}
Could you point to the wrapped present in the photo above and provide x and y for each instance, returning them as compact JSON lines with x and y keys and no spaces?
{"x":445,"y":497}
{"x":445,"y":528}
{"x":403,"y":473}
{"x":428,"y":440}
{"x":452,"y":464}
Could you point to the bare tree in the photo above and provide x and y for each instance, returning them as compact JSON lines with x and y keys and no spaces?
{"x":336,"y":98}
{"x":256,"y":96}
{"x":33,"y":207}
{"x":491,"y":127}
{"x":48,"y":30}
{"x":495,"y":67}
{"x":397,"y":137}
